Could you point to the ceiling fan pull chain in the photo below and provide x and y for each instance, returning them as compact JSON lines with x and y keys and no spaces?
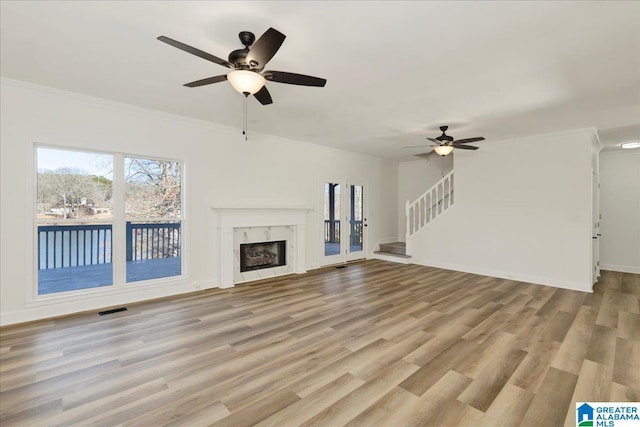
{"x":244,"y":118}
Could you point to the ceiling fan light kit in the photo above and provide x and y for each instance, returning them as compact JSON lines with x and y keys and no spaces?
{"x":246,"y":82}
{"x":443,"y":150}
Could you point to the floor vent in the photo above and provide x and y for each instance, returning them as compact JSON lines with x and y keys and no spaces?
{"x":115,"y":310}
{"x":341,"y":266}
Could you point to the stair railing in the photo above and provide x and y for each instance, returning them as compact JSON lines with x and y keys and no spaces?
{"x":432,"y":203}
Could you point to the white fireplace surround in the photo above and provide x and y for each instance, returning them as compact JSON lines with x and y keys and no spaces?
{"x":253,"y":225}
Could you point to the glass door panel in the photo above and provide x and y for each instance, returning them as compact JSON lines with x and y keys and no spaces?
{"x":331,"y":219}
{"x":357,"y":223}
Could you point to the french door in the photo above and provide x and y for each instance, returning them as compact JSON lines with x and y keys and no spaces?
{"x":344,"y":220}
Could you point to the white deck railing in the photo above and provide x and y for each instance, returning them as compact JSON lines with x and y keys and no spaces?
{"x":429,"y":205}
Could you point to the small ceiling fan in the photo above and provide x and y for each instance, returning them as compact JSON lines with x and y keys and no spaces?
{"x":247,"y":64}
{"x":445,"y":143}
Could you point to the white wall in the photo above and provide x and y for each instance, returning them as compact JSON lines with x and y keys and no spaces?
{"x":620,"y":209}
{"x":416,"y":177}
{"x":222,"y":170}
{"x":522,"y":211}
{"x":388,"y":216}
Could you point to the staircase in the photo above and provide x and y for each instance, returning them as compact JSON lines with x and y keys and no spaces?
{"x":430,"y":205}
{"x":396,"y":248}
{"x":426,"y":208}
{"x":395,"y":252}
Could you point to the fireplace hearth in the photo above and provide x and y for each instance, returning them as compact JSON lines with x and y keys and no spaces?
{"x":261,"y":255}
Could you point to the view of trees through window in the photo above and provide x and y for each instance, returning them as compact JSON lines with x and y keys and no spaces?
{"x":153,"y":209}
{"x":76,"y":186}
{"x":152,"y":188}
{"x":75,"y":211}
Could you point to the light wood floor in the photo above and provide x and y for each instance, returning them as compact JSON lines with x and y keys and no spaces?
{"x":376,"y":343}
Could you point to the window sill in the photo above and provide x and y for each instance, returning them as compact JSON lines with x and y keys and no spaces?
{"x":107,"y":291}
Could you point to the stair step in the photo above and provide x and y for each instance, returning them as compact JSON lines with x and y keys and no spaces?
{"x":398,"y":248}
{"x":393,"y":254}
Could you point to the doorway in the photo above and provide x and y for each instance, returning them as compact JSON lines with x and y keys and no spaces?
{"x":344,"y":222}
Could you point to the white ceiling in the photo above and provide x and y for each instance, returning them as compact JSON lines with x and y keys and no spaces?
{"x":395,"y":70}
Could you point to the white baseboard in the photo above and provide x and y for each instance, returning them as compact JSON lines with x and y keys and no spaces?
{"x":39,"y":310}
{"x":574,"y":286}
{"x":620,"y":268}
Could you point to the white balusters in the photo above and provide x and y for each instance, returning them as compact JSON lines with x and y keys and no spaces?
{"x":432,"y":203}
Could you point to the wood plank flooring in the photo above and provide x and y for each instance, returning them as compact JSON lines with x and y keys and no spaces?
{"x":373,"y":344}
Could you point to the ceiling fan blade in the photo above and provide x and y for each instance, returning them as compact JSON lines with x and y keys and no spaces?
{"x":263,"y":96}
{"x":464,"y":147}
{"x":264,"y":48}
{"x":197,"y":52}
{"x":468,"y":140}
{"x":434,"y":140}
{"x":417,"y":146}
{"x":207,"y":81}
{"x":294,"y":79}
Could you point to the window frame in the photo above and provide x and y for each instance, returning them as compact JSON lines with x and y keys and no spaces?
{"x":118,"y":229}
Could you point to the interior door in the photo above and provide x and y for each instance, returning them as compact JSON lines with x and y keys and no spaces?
{"x":344,"y":224}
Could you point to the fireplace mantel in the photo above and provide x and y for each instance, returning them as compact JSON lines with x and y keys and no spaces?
{"x":233,"y":219}
{"x":260,"y":216}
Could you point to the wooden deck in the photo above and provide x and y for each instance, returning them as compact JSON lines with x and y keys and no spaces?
{"x":92,"y":276}
{"x":334,"y":248}
{"x":373,"y":344}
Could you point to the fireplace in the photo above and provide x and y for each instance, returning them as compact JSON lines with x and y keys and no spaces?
{"x":261,"y":255}
{"x":247,"y":226}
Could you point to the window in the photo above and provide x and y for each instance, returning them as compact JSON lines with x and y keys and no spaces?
{"x":152,"y":208}
{"x":77,"y":240}
{"x":74,"y":220}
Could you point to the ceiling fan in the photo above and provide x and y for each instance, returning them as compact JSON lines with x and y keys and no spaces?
{"x":247,"y":64}
{"x":445,"y":143}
